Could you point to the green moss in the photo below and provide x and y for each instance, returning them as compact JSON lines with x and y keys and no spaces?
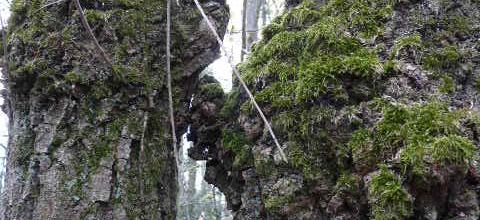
{"x":412,"y":159}
{"x":299,"y":160}
{"x":212,"y":90}
{"x":100,"y":151}
{"x":247,"y":108}
{"x":477,"y":84}
{"x":364,"y":151}
{"x":452,"y":149}
{"x":443,"y":59}
{"x":231,"y":105}
{"x":308,"y":54}
{"x":278,"y":94}
{"x":75,"y":77}
{"x":303,"y":15}
{"x":282,"y":45}
{"x":271,"y":30}
{"x":265,"y":167}
{"x":275,"y":203}
{"x":366,"y":16}
{"x":347,"y":183}
{"x":285,"y":122}
{"x":388,"y":199}
{"x":448,"y":84}
{"x":459,"y":24}
{"x":94,"y":17}
{"x":414,"y":42}
{"x":236,"y":142}
{"x":420,"y":130}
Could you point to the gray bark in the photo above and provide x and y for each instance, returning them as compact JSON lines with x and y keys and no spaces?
{"x":76,"y":123}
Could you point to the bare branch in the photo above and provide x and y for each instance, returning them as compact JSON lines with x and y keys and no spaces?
{"x":90,"y":32}
{"x":169,"y":85}
{"x":49,"y":4}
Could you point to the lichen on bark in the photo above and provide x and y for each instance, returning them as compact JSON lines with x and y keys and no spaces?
{"x":76,"y":121}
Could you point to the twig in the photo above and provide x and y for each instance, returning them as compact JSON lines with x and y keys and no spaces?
{"x":90,"y":32}
{"x":4,"y":41}
{"x":169,"y":86}
{"x":142,"y":155}
{"x":49,"y":4}
{"x":237,"y":74}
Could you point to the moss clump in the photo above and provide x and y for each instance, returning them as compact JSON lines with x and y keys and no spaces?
{"x":285,"y":122}
{"x":299,"y":160}
{"x":423,"y":131}
{"x":19,"y":10}
{"x":236,"y":142}
{"x":452,"y":149}
{"x":212,"y":90}
{"x":364,"y":151}
{"x":448,"y":84}
{"x":388,"y":199}
{"x":308,"y":54}
{"x":95,"y":17}
{"x":310,"y":145}
{"x":443,"y":59}
{"x":413,"y":42}
{"x":231,"y":105}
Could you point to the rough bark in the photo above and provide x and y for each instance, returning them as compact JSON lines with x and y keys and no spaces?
{"x":370,"y":99}
{"x":76,"y":122}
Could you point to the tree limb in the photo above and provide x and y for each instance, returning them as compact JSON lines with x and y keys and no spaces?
{"x":90,"y":32}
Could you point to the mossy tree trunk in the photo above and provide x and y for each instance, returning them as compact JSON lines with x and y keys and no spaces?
{"x":375,"y":103}
{"x":76,"y":122}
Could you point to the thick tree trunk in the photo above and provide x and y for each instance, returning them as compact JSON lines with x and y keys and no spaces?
{"x":369,"y":99}
{"x":76,"y":122}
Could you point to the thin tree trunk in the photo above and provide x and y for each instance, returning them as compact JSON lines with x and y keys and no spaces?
{"x":264,"y":12}
{"x":244,"y":29}
{"x":215,"y":205}
{"x":253,"y":12}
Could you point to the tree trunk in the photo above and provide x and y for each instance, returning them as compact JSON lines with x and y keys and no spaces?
{"x":76,"y":122}
{"x":253,"y":16}
{"x":244,"y":29}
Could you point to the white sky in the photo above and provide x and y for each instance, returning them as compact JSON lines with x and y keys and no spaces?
{"x":221,"y":69}
{"x":5,"y":13}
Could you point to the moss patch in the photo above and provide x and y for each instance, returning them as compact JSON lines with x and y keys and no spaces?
{"x":308,"y":54}
{"x":443,"y":59}
{"x":237,"y":143}
{"x":430,"y":134}
{"x":276,"y":203}
{"x":389,"y":200}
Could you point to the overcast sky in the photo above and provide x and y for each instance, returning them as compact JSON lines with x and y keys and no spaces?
{"x":5,"y":13}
